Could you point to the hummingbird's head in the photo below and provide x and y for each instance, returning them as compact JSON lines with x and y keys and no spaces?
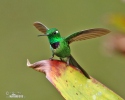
{"x":53,"y":34}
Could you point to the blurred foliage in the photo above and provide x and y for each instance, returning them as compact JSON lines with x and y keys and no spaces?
{"x":118,"y":20}
{"x":18,"y":40}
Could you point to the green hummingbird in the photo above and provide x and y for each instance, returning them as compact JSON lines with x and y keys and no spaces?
{"x":60,"y":46}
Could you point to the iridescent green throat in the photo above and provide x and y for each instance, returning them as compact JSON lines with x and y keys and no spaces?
{"x":53,"y":35}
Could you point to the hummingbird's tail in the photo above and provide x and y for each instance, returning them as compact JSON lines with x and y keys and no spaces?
{"x":73,"y":62}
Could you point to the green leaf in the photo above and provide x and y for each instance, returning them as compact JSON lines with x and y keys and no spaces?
{"x":71,"y":83}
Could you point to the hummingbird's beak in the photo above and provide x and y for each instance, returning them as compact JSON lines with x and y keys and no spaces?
{"x":43,"y":35}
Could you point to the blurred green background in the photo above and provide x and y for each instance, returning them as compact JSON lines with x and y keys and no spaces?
{"x":18,"y":41}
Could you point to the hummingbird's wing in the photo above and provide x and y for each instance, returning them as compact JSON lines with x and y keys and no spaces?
{"x":41,"y":27}
{"x":86,"y":34}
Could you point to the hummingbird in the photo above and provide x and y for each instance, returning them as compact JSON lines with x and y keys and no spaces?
{"x":60,"y":45}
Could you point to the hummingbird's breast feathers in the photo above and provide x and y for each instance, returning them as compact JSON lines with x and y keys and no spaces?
{"x":61,"y":48}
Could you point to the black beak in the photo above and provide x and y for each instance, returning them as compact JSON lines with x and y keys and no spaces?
{"x":43,"y":35}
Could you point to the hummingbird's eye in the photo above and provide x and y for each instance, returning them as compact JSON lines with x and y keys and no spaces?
{"x":56,"y":32}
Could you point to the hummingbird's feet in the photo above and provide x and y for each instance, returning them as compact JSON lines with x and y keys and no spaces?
{"x":61,"y":59}
{"x":51,"y":57}
{"x":68,"y":58}
{"x":65,"y":60}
